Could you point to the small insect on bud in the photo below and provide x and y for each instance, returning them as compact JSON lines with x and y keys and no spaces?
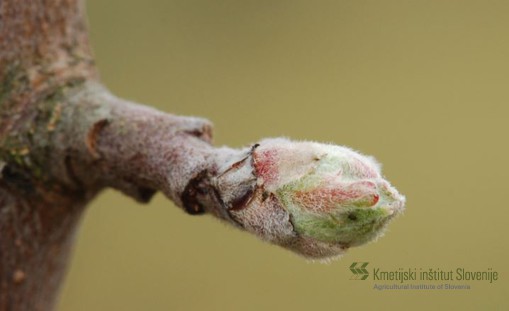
{"x":315,"y":199}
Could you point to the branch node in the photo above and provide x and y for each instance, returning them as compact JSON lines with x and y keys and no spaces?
{"x":189,"y":197}
{"x":93,"y":133}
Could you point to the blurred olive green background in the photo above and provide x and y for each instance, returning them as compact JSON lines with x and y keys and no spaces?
{"x":421,"y":85}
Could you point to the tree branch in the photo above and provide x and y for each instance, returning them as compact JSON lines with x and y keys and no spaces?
{"x":64,"y":137}
{"x":294,"y":194}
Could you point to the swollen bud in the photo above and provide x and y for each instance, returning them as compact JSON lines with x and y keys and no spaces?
{"x":315,"y":199}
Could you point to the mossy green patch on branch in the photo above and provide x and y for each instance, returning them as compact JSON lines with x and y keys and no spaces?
{"x":28,"y":144}
{"x":12,"y":79}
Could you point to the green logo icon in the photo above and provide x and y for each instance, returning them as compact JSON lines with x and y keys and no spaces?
{"x":359,"y":271}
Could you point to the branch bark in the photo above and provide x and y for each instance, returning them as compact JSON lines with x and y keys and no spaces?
{"x":64,"y":137}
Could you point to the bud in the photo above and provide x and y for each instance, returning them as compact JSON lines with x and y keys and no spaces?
{"x":315,"y":199}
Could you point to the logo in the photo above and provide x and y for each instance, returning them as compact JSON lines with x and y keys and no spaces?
{"x":359,"y":271}
{"x":421,"y":278}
